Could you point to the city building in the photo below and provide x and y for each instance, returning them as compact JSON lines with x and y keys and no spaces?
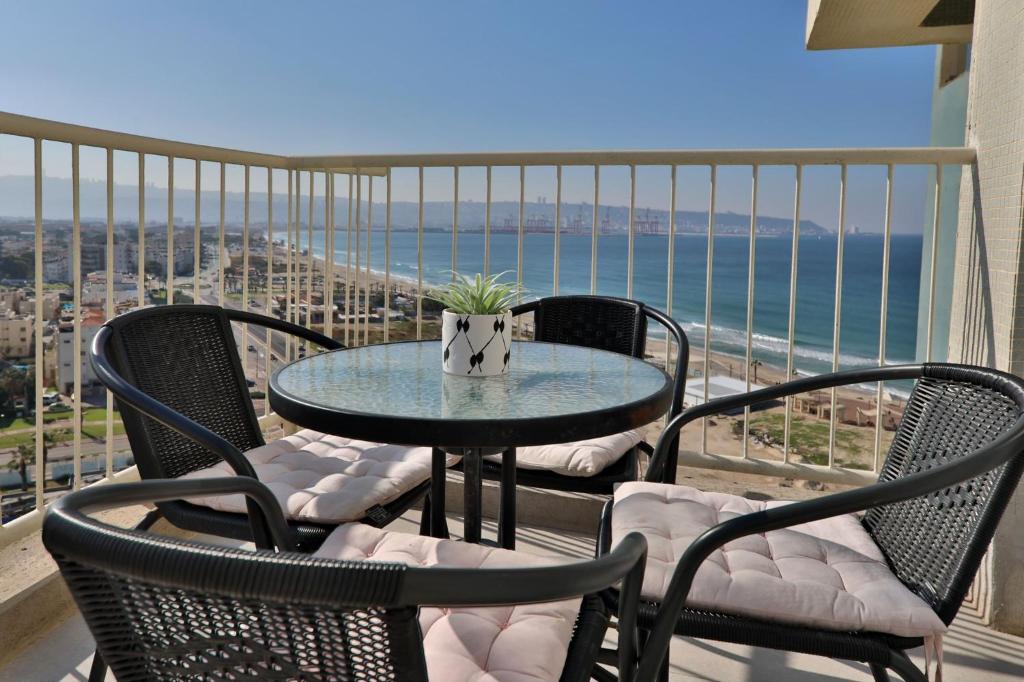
{"x":16,"y":335}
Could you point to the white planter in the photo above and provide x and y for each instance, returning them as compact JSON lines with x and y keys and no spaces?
{"x":476,"y":345}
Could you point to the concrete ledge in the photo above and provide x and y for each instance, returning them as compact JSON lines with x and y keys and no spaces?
{"x":577,"y":512}
{"x":33,"y":598}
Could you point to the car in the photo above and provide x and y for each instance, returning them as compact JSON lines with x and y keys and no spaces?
{"x":250,"y":383}
{"x":252,"y":348}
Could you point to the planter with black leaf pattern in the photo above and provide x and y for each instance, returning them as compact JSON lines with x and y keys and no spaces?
{"x":476,"y":345}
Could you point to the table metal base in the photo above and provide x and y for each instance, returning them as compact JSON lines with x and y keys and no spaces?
{"x":472,"y":490}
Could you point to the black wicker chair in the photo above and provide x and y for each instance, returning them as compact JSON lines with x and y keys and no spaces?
{"x":181,"y":391}
{"x":613,"y":324}
{"x":162,"y":608}
{"x":956,"y":459}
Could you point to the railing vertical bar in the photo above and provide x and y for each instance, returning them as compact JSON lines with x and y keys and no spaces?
{"x":791,"y":328}
{"x":310,"y":263}
{"x":329,"y":228}
{"x":40,"y":471}
{"x":348,"y":265}
{"x":487,"y":227}
{"x":220,"y":237}
{"x":594,"y":230}
{"x":709,"y":273}
{"x":838,"y":311}
{"x":109,"y":310}
{"x":387,"y":259}
{"x":558,"y":229}
{"x":419,"y":258}
{"x":141,"y":252}
{"x":169,"y":275}
{"x":268,"y":348}
{"x":631,"y":238}
{"x":245,"y":272}
{"x":76,"y":283}
{"x":369,"y":254}
{"x":288,"y":289}
{"x":669,"y":286}
{"x":522,"y":229}
{"x":455,"y":220}
{"x":197,"y":239}
{"x":883,"y":311}
{"x":751,"y":278}
{"x":934,"y":261}
{"x":298,"y":251}
{"x":358,"y":256}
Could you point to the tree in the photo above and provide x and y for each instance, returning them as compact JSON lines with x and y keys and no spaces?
{"x":755,"y":364}
{"x":26,"y":457}
{"x":16,"y":383}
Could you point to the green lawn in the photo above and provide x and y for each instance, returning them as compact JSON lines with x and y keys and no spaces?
{"x":94,"y":429}
{"x":808,"y":438}
{"x":91,"y":414}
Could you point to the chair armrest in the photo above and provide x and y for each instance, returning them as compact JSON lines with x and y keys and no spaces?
{"x":997,"y":453}
{"x":99,"y":498}
{"x":282,"y":326}
{"x":658,"y":471}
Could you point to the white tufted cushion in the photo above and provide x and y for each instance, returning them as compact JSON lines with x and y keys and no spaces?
{"x":526,"y":643}
{"x":579,"y":458}
{"x":827,"y":574}
{"x":327,"y":479}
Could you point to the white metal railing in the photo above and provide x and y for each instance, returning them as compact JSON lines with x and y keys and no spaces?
{"x":307,"y":278}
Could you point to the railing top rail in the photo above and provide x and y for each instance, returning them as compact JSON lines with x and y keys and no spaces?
{"x":28,"y":126}
{"x":370,"y":164}
{"x":681,"y":157}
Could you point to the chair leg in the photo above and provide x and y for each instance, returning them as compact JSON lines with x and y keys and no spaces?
{"x":507,"y":510}
{"x":663,"y":670}
{"x":905,"y":668}
{"x":98,"y":670}
{"x":425,"y":516}
{"x":879,"y":673}
{"x":437,"y":520}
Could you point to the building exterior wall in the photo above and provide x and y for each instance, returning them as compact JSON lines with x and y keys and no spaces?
{"x":987,"y":314}
{"x":949,"y":118}
{"x":16,"y":336}
{"x":66,"y":358}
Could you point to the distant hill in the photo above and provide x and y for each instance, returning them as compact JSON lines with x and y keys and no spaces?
{"x":17,"y":201}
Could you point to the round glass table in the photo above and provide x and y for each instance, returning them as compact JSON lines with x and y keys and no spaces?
{"x":397,"y":393}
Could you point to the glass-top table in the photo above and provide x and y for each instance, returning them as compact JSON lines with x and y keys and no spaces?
{"x":397,"y":393}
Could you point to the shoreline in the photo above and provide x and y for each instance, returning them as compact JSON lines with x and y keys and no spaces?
{"x":723,"y":363}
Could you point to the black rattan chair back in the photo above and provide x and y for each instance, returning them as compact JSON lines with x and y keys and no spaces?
{"x":161,"y":608}
{"x":613,"y":324}
{"x":185,"y":357}
{"x":935,"y":542}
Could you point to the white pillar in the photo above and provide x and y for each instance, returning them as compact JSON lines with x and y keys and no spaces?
{"x":987,"y":316}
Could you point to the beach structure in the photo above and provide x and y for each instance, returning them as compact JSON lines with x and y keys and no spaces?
{"x":968,"y":308}
{"x":717,"y":387}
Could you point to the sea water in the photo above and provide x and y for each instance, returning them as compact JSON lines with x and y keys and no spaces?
{"x":860,"y":311}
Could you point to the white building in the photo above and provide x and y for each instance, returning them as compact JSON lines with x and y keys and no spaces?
{"x":66,"y":356}
{"x":16,"y":335}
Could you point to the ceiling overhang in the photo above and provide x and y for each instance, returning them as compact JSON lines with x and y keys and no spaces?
{"x":844,"y":24}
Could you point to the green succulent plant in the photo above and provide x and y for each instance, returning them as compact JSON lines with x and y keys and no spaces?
{"x":477,"y":295}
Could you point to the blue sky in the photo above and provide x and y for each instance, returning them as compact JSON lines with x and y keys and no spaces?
{"x":339,"y":77}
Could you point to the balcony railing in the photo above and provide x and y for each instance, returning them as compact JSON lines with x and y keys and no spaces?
{"x":322,"y":191}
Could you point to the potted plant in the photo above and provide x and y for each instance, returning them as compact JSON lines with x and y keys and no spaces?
{"x":476,"y":324}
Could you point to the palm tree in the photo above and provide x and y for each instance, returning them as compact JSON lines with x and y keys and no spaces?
{"x":755,"y":364}
{"x":27,"y":456}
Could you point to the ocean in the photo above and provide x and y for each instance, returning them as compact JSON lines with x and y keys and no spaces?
{"x":861,"y":295}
